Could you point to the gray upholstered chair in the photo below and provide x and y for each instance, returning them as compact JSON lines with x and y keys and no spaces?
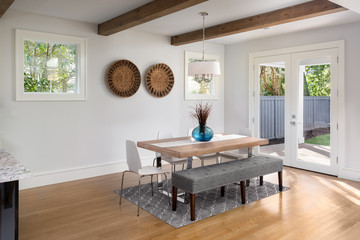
{"x":134,"y":163}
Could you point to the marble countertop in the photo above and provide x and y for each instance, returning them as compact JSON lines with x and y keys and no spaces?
{"x":10,"y":168}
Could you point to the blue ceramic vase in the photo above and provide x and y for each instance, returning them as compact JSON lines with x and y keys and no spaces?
{"x":202,"y":133}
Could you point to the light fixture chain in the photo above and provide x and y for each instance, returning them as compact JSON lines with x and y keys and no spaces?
{"x":203,"y":52}
{"x":203,"y":71}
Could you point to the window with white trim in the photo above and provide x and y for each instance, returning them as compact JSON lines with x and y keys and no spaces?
{"x":50,"y":67}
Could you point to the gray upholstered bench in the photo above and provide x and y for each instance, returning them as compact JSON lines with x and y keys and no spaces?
{"x":205,"y":178}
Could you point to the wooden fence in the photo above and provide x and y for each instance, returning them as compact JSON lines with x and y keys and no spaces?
{"x":272,"y":113}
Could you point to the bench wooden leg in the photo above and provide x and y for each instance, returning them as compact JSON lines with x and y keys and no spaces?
{"x":280,"y":181}
{"x":223,"y":191}
{"x":242,"y":187}
{"x":248,"y":182}
{"x":192,"y":207}
{"x":174,"y":197}
{"x":261,"y":180}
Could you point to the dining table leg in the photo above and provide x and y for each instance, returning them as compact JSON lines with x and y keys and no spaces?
{"x":158,"y":165}
{"x":247,"y":182}
{"x":250,"y":151}
{"x":189,"y":163}
{"x":160,"y":182}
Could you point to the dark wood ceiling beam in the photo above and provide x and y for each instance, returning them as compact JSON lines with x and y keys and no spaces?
{"x":290,"y":14}
{"x":145,"y":13}
{"x":4,"y":6}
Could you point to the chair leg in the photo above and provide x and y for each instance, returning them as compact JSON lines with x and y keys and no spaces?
{"x":152,"y":186}
{"x":167,"y":186}
{"x":202,"y":162}
{"x":247,"y":182}
{"x":192,"y":207}
{"x":174,"y":197}
{"x":138,"y":203}
{"x":183,"y":166}
{"x":261,"y":180}
{"x":218,"y":158}
{"x":122,"y":185}
{"x":280,"y":181}
{"x":242,"y":187}
{"x":157,"y":182}
{"x":223,"y":191}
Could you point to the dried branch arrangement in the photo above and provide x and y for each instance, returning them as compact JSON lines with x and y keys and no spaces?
{"x":201,"y":112}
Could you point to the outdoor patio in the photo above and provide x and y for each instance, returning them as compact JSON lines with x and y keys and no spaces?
{"x":307,"y":152}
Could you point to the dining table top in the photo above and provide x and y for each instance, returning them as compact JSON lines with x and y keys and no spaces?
{"x":182,"y":147}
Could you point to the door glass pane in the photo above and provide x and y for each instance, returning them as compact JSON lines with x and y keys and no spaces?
{"x":272,"y":107}
{"x":314,"y":131}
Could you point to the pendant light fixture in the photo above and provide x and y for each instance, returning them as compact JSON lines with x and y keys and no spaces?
{"x":204,"y":69}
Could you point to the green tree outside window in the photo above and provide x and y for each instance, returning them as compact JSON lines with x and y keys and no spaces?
{"x":49,"y":67}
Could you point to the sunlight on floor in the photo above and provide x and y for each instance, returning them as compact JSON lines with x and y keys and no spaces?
{"x":342,"y":188}
{"x":349,"y":188}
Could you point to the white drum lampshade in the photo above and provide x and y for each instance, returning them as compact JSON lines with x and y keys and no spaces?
{"x":204,"y":68}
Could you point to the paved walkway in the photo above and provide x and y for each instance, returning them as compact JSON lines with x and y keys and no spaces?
{"x":307,"y":152}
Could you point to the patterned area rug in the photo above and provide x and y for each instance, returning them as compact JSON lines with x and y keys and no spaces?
{"x":208,"y":203}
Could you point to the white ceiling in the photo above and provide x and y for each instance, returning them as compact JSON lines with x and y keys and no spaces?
{"x":354,"y":5}
{"x":220,"y":11}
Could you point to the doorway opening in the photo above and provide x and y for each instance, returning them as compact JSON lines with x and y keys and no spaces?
{"x":295,"y":107}
{"x":314,"y":130}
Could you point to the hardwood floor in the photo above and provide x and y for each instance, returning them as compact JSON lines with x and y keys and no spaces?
{"x":316,"y":207}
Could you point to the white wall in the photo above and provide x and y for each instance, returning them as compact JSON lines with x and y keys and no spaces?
{"x":61,"y":141}
{"x":237,"y":82}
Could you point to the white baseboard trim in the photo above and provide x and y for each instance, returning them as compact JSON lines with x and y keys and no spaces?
{"x":66,"y":175}
{"x":350,"y":173}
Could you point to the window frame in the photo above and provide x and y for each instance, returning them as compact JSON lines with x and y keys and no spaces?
{"x":22,"y":35}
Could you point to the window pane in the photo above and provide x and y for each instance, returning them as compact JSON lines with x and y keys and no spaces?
{"x":35,"y":80}
{"x":272,"y":107}
{"x":34,"y":54}
{"x":50,"y":67}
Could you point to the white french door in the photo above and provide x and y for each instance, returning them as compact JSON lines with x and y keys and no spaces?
{"x":270,"y":115}
{"x":314,"y":128}
{"x":296,"y":110}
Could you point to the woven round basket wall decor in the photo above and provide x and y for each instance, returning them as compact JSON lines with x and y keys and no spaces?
{"x":159,"y":80}
{"x":123,"y":78}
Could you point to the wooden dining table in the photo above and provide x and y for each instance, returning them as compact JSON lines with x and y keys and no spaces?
{"x":187,"y":147}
